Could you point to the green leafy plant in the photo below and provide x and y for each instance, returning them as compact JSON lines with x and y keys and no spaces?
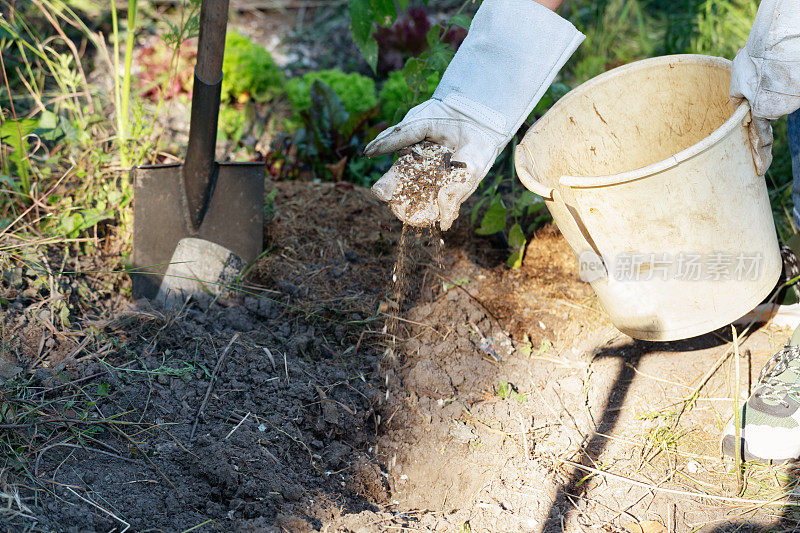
{"x":249,"y":72}
{"x":330,"y":136}
{"x":365,"y":17}
{"x":544,"y":347}
{"x":78,"y":214}
{"x":511,"y":215}
{"x":17,"y":134}
{"x":369,"y":17}
{"x":233,"y":122}
{"x":356,"y":92}
{"x":397,"y":96}
{"x":421,"y":71}
{"x":504,"y":207}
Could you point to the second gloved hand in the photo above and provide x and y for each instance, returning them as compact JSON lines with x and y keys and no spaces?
{"x":512,"y":52}
{"x":766,"y":72}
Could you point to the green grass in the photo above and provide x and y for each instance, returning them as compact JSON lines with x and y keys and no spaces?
{"x":61,"y":147}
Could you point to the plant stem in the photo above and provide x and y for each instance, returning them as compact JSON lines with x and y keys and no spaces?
{"x":121,"y":137}
{"x":133,"y":7}
{"x":25,"y":182}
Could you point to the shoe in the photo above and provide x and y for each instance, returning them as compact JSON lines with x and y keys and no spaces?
{"x":782,"y":309}
{"x":770,"y":419}
{"x":790,"y":256}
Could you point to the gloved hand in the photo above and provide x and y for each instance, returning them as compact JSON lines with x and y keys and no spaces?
{"x":766,"y":72}
{"x":509,"y":58}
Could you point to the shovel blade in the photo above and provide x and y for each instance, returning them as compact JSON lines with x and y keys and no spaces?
{"x":234,"y":219}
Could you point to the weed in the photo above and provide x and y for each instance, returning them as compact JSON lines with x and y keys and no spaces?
{"x":506,"y":391}
{"x":512,"y":215}
{"x":661,"y":434}
{"x":57,"y":157}
{"x":526,"y":348}
{"x":446,"y":286}
{"x":397,"y":97}
{"x":544,"y":347}
{"x":54,"y":143}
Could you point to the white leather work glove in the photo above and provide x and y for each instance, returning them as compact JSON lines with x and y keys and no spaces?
{"x":766,"y":72}
{"x":509,"y":58}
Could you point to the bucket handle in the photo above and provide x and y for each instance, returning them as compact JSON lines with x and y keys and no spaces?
{"x":576,"y":233}
{"x":523,"y":161}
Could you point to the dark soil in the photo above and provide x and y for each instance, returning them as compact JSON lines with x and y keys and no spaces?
{"x":285,"y":437}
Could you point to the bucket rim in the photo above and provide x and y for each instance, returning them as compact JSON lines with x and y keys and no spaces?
{"x":727,"y":127}
{"x":585,"y":182}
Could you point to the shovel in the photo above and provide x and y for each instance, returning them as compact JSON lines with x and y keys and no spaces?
{"x":217,"y":202}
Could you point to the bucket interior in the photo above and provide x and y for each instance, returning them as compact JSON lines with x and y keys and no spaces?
{"x":631,"y":117}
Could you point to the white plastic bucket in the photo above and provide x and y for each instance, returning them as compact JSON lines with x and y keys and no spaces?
{"x":647,"y":171}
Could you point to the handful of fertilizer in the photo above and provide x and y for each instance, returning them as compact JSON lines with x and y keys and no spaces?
{"x":415,"y":180}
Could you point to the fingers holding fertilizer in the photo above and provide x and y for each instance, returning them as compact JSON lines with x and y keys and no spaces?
{"x":425,"y":185}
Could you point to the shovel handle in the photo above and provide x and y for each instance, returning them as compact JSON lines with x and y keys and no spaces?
{"x":211,"y":42}
{"x":200,"y":170}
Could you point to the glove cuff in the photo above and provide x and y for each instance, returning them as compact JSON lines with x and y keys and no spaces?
{"x":767,"y":70}
{"x":509,"y":58}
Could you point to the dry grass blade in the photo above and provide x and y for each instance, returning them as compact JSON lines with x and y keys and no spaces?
{"x":736,"y":420}
{"x":79,"y":447}
{"x":211,"y":385}
{"x":101,"y":508}
{"x":778,"y":501}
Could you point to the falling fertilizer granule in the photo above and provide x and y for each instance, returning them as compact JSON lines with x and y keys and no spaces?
{"x":422,"y":170}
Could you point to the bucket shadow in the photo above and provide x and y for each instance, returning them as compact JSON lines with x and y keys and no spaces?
{"x":631,"y":354}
